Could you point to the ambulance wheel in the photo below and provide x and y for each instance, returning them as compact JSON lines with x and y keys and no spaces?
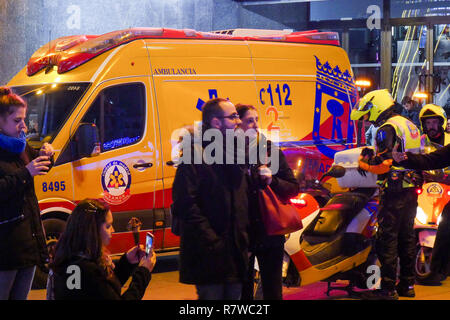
{"x":423,"y":262}
{"x":53,"y":230}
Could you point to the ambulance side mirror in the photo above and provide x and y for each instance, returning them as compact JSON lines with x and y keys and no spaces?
{"x":87,"y":141}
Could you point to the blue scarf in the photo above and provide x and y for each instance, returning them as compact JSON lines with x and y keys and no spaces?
{"x":13,"y":145}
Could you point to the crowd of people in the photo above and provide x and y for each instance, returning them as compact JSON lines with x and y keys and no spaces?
{"x":216,"y":204}
{"x":82,"y":245}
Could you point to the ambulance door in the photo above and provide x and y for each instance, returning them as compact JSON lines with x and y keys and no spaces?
{"x":123,"y":174}
{"x":187,"y":73}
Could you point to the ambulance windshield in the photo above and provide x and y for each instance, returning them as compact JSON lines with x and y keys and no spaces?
{"x":49,"y":106}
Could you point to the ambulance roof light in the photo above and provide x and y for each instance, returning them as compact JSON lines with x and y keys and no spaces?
{"x":70,"y":42}
{"x":112,"y":39}
{"x":69,"y":52}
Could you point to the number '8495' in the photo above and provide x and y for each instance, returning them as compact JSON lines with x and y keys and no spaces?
{"x":54,"y":186}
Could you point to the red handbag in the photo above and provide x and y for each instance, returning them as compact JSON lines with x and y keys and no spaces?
{"x":279,"y":218}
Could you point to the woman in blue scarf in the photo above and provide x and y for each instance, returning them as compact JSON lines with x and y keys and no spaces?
{"x":22,"y":240}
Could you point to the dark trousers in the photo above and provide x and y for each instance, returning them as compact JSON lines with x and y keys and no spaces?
{"x":396,"y":237}
{"x":270,"y":262}
{"x":16,"y":284}
{"x":223,"y":291}
{"x":441,"y":250}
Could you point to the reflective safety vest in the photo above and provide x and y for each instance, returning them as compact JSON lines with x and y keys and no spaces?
{"x":409,"y":136}
{"x":430,"y":146}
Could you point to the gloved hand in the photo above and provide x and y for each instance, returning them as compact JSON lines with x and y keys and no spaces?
{"x":418,"y":179}
{"x":367,"y":153}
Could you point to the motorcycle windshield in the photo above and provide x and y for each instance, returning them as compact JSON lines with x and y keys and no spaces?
{"x":49,"y":107}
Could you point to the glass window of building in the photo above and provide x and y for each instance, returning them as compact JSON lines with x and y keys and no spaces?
{"x":419,"y":8}
{"x":343,"y":9}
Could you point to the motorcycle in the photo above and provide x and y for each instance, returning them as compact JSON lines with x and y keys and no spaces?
{"x":336,"y":241}
{"x":432,"y":199}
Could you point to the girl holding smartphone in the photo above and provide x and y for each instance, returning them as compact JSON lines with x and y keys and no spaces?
{"x":82,"y":269}
{"x":22,"y":240}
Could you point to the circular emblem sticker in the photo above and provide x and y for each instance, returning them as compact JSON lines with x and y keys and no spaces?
{"x":434,"y":190}
{"x":412,"y":129}
{"x":116,"y":181}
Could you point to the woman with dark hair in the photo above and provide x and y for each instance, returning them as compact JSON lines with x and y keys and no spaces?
{"x":22,"y":240}
{"x":267,"y":249}
{"x":82,"y":270}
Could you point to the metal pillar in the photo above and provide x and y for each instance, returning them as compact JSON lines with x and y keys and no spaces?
{"x":386,"y":47}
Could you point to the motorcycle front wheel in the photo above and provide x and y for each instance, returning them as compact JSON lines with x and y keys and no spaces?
{"x":423,"y":262}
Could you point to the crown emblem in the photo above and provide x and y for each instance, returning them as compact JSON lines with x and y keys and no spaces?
{"x":327,"y":70}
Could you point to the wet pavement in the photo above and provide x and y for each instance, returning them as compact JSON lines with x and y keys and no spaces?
{"x":165,"y":286}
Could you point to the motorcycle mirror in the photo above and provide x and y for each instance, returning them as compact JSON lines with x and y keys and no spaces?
{"x":335,"y":172}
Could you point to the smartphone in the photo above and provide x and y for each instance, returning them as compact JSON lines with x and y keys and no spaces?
{"x":149,"y":242}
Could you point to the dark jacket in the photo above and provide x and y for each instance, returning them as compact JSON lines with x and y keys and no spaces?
{"x":434,"y":160}
{"x":212,"y":203}
{"x":22,"y":239}
{"x":285,"y":187}
{"x":95,"y":285}
{"x":412,"y":115}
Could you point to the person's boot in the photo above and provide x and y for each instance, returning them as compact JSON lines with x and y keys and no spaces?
{"x":406,"y":291}
{"x":380,"y":294}
{"x":433,"y":279}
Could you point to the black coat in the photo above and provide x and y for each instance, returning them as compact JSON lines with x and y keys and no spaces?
{"x":95,"y":285}
{"x":22,"y":239}
{"x":212,"y":202}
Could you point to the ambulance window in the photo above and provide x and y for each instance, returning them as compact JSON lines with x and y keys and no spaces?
{"x":119,"y":114}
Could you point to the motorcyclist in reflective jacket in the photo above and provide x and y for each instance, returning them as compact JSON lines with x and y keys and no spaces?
{"x":398,"y":199}
{"x":440,"y":261}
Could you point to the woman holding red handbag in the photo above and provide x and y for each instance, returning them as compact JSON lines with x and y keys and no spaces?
{"x":267,"y":249}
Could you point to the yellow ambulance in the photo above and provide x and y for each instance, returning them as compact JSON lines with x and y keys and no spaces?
{"x":109,"y":105}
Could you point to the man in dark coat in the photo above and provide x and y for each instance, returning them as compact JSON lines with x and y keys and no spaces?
{"x":211,"y":202}
{"x":440,"y":260}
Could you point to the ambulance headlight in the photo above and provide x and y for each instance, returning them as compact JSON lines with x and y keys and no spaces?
{"x":421,"y":216}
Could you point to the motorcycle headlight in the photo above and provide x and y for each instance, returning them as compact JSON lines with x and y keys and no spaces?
{"x":421,"y":216}
{"x":439,"y":219}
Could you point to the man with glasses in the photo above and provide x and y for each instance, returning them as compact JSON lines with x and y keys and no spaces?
{"x":211,"y":203}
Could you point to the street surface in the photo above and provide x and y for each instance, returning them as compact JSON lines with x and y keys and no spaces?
{"x":165,"y":286}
